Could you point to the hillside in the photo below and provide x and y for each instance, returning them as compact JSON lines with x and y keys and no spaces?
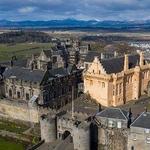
{"x":24,"y":36}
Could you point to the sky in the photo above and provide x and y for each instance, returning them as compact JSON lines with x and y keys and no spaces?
{"x":77,"y":9}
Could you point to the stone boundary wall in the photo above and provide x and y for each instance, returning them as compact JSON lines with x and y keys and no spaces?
{"x":19,"y":111}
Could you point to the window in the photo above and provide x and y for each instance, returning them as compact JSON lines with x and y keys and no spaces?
{"x":111,"y":124}
{"x":113,"y":90}
{"x":86,"y":66}
{"x":143,"y":74}
{"x":18,"y":94}
{"x":117,"y":89}
{"x":120,"y":88}
{"x":10,"y":93}
{"x":134,"y":137}
{"x":103,"y":84}
{"x":54,"y":59}
{"x":22,"y":91}
{"x":119,"y":125}
{"x":91,"y":82}
{"x":147,"y":131}
{"x":132,"y":147}
{"x":148,"y":140}
{"x":6,"y":88}
{"x":27,"y":96}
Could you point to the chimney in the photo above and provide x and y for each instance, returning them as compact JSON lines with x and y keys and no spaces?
{"x":11,"y":63}
{"x":126,"y":62}
{"x":32,"y":66}
{"x":129,"y":118}
{"x":141,"y":59}
{"x":99,"y":107}
{"x":145,"y":109}
{"x":115,"y":53}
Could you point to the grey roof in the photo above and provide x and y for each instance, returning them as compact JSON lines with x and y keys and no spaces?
{"x":48,"y":53}
{"x":18,"y":62}
{"x":62,"y":71}
{"x":90,"y":56}
{"x":24,"y":74}
{"x":115,"y":113}
{"x":142,"y":121}
{"x":58,"y":72}
{"x":115,"y":65}
{"x":2,"y":69}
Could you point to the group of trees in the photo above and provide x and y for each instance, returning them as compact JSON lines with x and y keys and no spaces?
{"x":24,"y":36}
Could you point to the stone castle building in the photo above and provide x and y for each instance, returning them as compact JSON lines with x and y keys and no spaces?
{"x":107,"y":129}
{"x":46,"y":59}
{"x":52,"y":87}
{"x":63,"y":127}
{"x":115,"y":81}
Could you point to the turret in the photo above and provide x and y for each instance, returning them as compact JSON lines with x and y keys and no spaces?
{"x":126,"y":62}
{"x":48,"y":128}
{"x":141,"y":59}
{"x":81,"y":136}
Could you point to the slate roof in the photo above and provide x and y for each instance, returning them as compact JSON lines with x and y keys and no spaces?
{"x":143,"y":121}
{"x":90,"y":56}
{"x":115,"y":113}
{"x":48,"y":53}
{"x":59,"y":72}
{"x":24,"y":74}
{"x":18,"y":63}
{"x":115,"y":65}
{"x":2,"y":69}
{"x":62,"y":71}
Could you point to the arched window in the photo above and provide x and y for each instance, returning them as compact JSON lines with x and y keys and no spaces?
{"x":10,"y":93}
{"x":132,"y":147}
{"x":18,"y":94}
{"x":27,"y":96}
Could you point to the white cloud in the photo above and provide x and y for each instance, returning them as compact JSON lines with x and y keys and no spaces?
{"x":27,"y":9}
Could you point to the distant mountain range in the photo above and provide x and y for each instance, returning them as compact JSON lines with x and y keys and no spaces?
{"x":72,"y":23}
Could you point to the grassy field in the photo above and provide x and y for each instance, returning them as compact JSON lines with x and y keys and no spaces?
{"x":12,"y":127}
{"x":6,"y":144}
{"x":21,"y":50}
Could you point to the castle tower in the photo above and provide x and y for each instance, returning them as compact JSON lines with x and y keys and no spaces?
{"x":136,"y":85}
{"x":48,"y":128}
{"x":81,"y":136}
{"x":141,"y":59}
{"x":126,"y":62}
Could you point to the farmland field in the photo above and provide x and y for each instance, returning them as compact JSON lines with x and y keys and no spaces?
{"x":21,"y":50}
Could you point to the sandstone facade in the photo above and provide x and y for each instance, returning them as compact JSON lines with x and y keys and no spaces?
{"x":116,"y":81}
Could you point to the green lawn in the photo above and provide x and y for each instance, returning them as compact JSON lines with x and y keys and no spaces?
{"x":6,"y":144}
{"x":12,"y":127}
{"x":21,"y":50}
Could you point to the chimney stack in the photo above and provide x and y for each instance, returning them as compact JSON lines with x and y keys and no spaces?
{"x":126,"y":62}
{"x":141,"y":59}
{"x":99,"y":107}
